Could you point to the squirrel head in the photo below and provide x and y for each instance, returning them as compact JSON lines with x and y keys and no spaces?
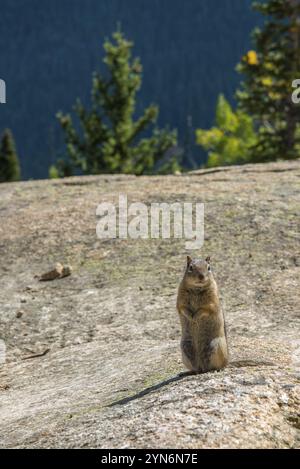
{"x":198,"y":273}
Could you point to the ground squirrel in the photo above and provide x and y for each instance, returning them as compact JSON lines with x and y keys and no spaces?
{"x":203,"y":343}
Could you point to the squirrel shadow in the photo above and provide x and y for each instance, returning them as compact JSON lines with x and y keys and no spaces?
{"x":150,"y":389}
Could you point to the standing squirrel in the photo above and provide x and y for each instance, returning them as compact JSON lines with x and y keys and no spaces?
{"x":203,"y":343}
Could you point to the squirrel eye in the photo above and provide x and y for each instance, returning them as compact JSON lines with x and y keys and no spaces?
{"x":190,"y":268}
{"x":208,"y":268}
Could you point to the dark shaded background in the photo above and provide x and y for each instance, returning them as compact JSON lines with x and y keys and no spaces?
{"x":49,"y":49}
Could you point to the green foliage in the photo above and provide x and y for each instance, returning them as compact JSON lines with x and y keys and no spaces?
{"x":231,"y":140}
{"x":9,"y":162}
{"x":110,"y":139}
{"x":53,"y":172}
{"x":62,"y":169}
{"x":268,"y":75}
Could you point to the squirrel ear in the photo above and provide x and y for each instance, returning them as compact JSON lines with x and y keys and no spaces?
{"x":188,"y":260}
{"x":208,"y":259}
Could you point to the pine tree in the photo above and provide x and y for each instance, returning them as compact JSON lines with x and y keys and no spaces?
{"x":9,"y":162}
{"x":269,"y":72}
{"x":110,"y":139}
{"x":231,"y":140}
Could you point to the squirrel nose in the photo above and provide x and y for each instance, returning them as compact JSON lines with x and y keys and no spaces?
{"x":201,"y":277}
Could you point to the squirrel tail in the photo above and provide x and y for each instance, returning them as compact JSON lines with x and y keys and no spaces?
{"x":242,"y":363}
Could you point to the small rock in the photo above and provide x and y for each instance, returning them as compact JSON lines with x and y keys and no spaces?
{"x":67,"y":270}
{"x":284,"y":398}
{"x":19,"y":314}
{"x":4,"y":387}
{"x":60,"y":271}
{"x":52,"y":274}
